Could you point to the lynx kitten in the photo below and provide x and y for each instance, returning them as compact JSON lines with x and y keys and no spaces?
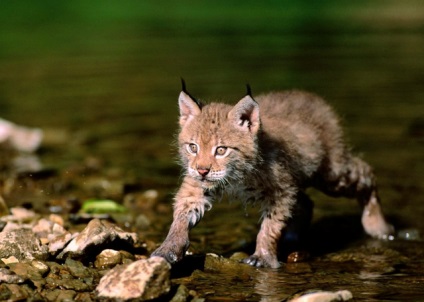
{"x":268,"y":150}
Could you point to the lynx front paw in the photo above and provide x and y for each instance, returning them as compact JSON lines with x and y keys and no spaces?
{"x":261,"y":261}
{"x":374,"y":223}
{"x":377,"y":227}
{"x":171,"y":252}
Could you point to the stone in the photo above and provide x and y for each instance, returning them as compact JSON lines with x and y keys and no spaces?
{"x":20,"y":138}
{"x":11,"y":259}
{"x":141,"y":280}
{"x":181,"y":295}
{"x":22,"y":244}
{"x":59,"y":242}
{"x":7,"y":276}
{"x":97,"y":236}
{"x":49,"y":230}
{"x":107,"y":259}
{"x":322,"y":296}
{"x":42,"y":267}
{"x":77,"y":269}
{"x":22,"y":215}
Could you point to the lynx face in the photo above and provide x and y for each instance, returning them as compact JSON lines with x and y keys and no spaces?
{"x":218,"y":142}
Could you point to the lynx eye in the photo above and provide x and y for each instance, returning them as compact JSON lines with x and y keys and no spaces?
{"x":220,"y":151}
{"x":192,"y":148}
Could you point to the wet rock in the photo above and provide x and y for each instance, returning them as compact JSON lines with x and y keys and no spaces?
{"x":22,"y":244}
{"x":57,"y":219}
{"x":48,"y":230}
{"x":8,"y":276}
{"x":12,"y":226}
{"x":20,"y":138}
{"x":215,"y":263}
{"x":239,"y":256}
{"x":40,"y":266}
{"x":11,"y":259}
{"x":77,"y":269}
{"x":27,"y":271}
{"x":181,"y":295}
{"x":16,"y":292}
{"x":322,"y":296}
{"x":297,"y":256}
{"x":20,"y":215}
{"x":107,"y":259}
{"x":97,"y":236}
{"x":72,"y":275}
{"x":141,"y":280}
{"x":59,"y":242}
{"x":60,"y":295}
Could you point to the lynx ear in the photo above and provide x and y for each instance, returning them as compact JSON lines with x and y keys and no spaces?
{"x":189,"y":108}
{"x":245,"y":114}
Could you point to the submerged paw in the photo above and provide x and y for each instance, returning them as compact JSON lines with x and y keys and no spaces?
{"x":377,"y":227}
{"x":258,"y":261}
{"x":172,"y":255}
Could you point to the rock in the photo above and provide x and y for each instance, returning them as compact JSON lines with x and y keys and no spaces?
{"x":11,"y":259}
{"x":57,"y":219}
{"x":297,"y":256}
{"x":20,"y":138}
{"x":28,"y":271}
{"x":60,"y":295}
{"x":238,"y":256}
{"x":72,"y":275}
{"x":22,"y":244}
{"x":16,"y":292}
{"x":215,"y":263}
{"x":7,"y":276}
{"x":12,"y":226}
{"x":322,"y":296}
{"x":141,"y":280}
{"x":40,"y":266}
{"x":181,"y":295}
{"x":107,"y":259}
{"x":48,"y":230}
{"x":20,"y":215}
{"x":97,"y":236}
{"x":59,"y":242}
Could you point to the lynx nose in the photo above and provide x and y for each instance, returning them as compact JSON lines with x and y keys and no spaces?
{"x":203,"y":171}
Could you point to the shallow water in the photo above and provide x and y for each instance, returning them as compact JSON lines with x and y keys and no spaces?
{"x":103,"y":82}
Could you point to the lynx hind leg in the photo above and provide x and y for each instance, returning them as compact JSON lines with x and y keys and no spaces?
{"x":357,"y":180}
{"x":275,"y":215}
{"x":299,"y":223}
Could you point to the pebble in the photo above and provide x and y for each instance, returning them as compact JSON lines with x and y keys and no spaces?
{"x":323,"y":296}
{"x":297,"y":256}
{"x":107,"y":259}
{"x":7,"y":276}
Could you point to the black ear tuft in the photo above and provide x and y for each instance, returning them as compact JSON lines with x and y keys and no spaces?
{"x":184,"y":89}
{"x":248,"y":90}
{"x":183,"y":86}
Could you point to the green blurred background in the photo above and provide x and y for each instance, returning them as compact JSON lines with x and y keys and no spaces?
{"x":109,"y":73}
